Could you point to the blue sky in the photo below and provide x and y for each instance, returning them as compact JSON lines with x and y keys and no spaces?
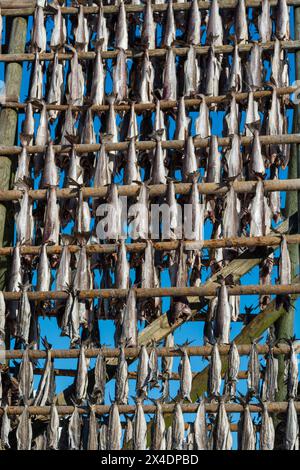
{"x":193,"y":331}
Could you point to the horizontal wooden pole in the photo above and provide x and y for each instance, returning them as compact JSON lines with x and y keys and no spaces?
{"x":130,"y":353}
{"x":242,"y":187}
{"x":276,"y":407}
{"x":164,"y":104}
{"x":27,"y":7}
{"x":159,"y":52}
{"x":234,"y":242}
{"x":148,"y":144}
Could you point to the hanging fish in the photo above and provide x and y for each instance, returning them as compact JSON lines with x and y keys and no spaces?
{"x":41,"y":139}
{"x":193,"y":33}
{"x":120,"y":88}
{"x":5,"y":429}
{"x":50,"y":176}
{"x":46,"y":389}
{"x":70,"y":322}
{"x":110,"y":227}
{"x":121,"y":383}
{"x":14,"y":285}
{"x":212,"y":73}
{"x":102,"y":33}
{"x":177,"y":428}
{"x":81,"y":382}
{"x":24,"y":219}
{"x":153,"y":367}
{"x":254,"y":68}
{"x":291,"y":372}
{"x":25,"y":378}
{"x":121,"y":34}
{"x":139,"y":227}
{"x":149,"y":308}
{"x":231,"y":120}
{"x":275,"y":200}
{"x":128,"y":435}
{"x":265,"y":22}
{"x":231,"y":215}
{"x":103,"y":169}
{"x":257,"y":164}
{"x":235,"y":79}
{"x":63,"y":272}
{"x":267,"y":431}
{"x":202,"y":123}
{"x":122,"y":270}
{"x":169,"y":438}
{"x":214,"y":32}
{"x":97,"y":88}
{"x":53,"y":429}
{"x":44,"y":271}
{"x":142,"y":380}
{"x":36,"y":86}
{"x":139,"y":428}
{"x":68,"y":127}
{"x":175,"y":226}
{"x":149,"y":27}
{"x":74,"y":430}
{"x":27,"y":134}
{"x":75,"y":80}
{"x":222,"y":435}
{"x":190,"y":163}
{"x":166,"y":367}
{"x":146,"y":83}
{"x":169,"y":36}
{"x":200,"y":428}
{"x":253,"y":371}
{"x":158,"y":429}
{"x":170,"y":77}
{"x":222,"y":316}
{"x":2,"y":320}
{"x":39,"y":37}
{"x":241,"y":23}
{"x":179,"y":305}
{"x":186,"y":376}
{"x":24,"y":431}
{"x":92,"y":443}
{"x":282,"y":21}
{"x":260,"y":213}
{"x":51,"y":219}
{"x":233,"y":157}
{"x":279,"y":65}
{"x":215,"y":372}
{"x":231,"y":377}
{"x":81,"y":33}
{"x":83,"y":216}
{"x":129,"y":321}
{"x":182,"y":121}
{"x":285,"y":274}
{"x":269,"y":386}
{"x":24,"y":316}
{"x":100,"y":376}
{"x":158,"y":169}
{"x":59,"y":32}
{"x":291,"y":441}
{"x":131,"y":170}
{"x":247,"y":435}
{"x":83,"y":281}
{"x":56,"y":88}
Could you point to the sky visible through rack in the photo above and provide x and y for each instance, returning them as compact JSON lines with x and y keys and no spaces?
{"x":191,"y":331}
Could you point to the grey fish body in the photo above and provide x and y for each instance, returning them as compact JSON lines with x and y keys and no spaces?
{"x":24,"y":317}
{"x":195,"y":226}
{"x":265,"y":22}
{"x":81,"y":33}
{"x":177,"y":428}
{"x":122,"y":272}
{"x":83,"y":281}
{"x":142,"y":381}
{"x":83,"y":216}
{"x":194,"y":25}
{"x":41,"y":139}
{"x":232,"y":118}
{"x":254,"y":68}
{"x":24,"y":431}
{"x":70,"y":322}
{"x":267,"y":431}
{"x":100,"y":379}
{"x":153,"y":368}
{"x":131,"y":170}
{"x":50,"y":171}
{"x":222,"y":316}
{"x":120,"y":89}
{"x":87,"y":133}
{"x":158,"y":169}
{"x":63,"y":273}
{"x":75,"y":80}
{"x":292,"y":373}
{"x":56,"y":87}
{"x":285,"y":267}
{"x":214,"y":32}
{"x":92,"y":443}
{"x":44,"y":271}
{"x":282,"y":21}
{"x":52,"y":220}
{"x":5,"y":429}
{"x":253,"y":371}
{"x":24,"y":220}
{"x":186,"y":377}
{"x":39,"y":39}
{"x":252,"y":121}
{"x":146,"y":84}
{"x":28,"y":126}
{"x":158,"y":437}
{"x":103,"y":170}
{"x":102,"y":31}
{"x":175,"y":231}
{"x":121,"y":384}
{"x":247,"y":438}
{"x":14,"y":282}
{"x":59,"y":33}
{"x":36,"y":88}
{"x":74,"y":430}
{"x":2,"y":319}
{"x":260,"y":213}
{"x":139,"y":227}
{"x":139,"y":428}
{"x":202,"y":123}
{"x":292,"y":427}
{"x":215,"y":370}
{"x":270,"y":387}
{"x":213,"y":170}
{"x":223,"y":437}
{"x":212,"y":75}
{"x":46,"y":389}
{"x":200,"y":428}
{"x":189,"y":165}
{"x":129,"y":323}
{"x":121,"y":35}
{"x":53,"y":429}
{"x":149,"y":26}
{"x":233,"y":370}
{"x":81,"y":382}
{"x":103,"y":436}
{"x":233,"y":158}
{"x":170,"y":27}
{"x":235,"y":77}
{"x":182,"y":121}
{"x":231,"y":215}
{"x":170,"y":77}
{"x":241,"y":23}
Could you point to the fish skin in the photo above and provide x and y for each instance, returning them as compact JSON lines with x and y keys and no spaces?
{"x":110,"y":124}
{"x":2,"y":320}
{"x":252,"y":121}
{"x":5,"y":429}
{"x":14,"y":283}
{"x":215,"y":371}
{"x":291,"y":441}
{"x":131,"y":170}
{"x":158,"y":429}
{"x":129,"y":321}
{"x":212,"y":73}
{"x":53,"y":429}
{"x":92,"y":443}
{"x":169,"y":36}
{"x":177,"y":428}
{"x":70,"y":322}
{"x":83,"y":215}
{"x":24,"y":431}
{"x":200,"y":428}
{"x":213,"y":170}
{"x":222,"y":316}
{"x":265,"y":22}
{"x":186,"y":377}
{"x":270,"y":386}
{"x":231,"y":377}
{"x":114,"y":432}
{"x":50,"y":176}
{"x":190,"y":163}
{"x":149,"y":280}
{"x":182,"y":121}
{"x":81,"y":382}
{"x":81,"y":33}
{"x":260,"y":213}
{"x":153,"y":368}
{"x":139,"y":227}
{"x":83,"y":281}
{"x":170,"y":77}
{"x":121,"y":34}
{"x":122,"y":270}
{"x":149,"y":27}
{"x":235,"y":79}
{"x":285,"y":268}
{"x":120,"y":88}
{"x":111,"y":225}
{"x":196,"y":228}
{"x":98,"y":81}
{"x":234,"y":159}
{"x":59,"y":32}
{"x":74,"y":430}
{"x":275,"y":126}
{"x":139,"y":428}
{"x":75,"y":81}
{"x":247,"y":435}
{"x":46,"y":389}
{"x":202,"y":123}
{"x":167,"y":361}
{"x":25,"y":378}
{"x":175,"y":229}
{"x":103,"y":169}
{"x":36,"y":87}
{"x":121,"y":384}
{"x":24,"y":219}
{"x":158,"y":169}
{"x":68,"y":128}
{"x":241,"y":23}
{"x":267,"y":431}
{"x":102,"y":31}
{"x":103,"y":437}
{"x":222,"y":438}
{"x":253,"y":371}
{"x":193,"y":34}
{"x":24,"y":317}
{"x":133,"y":130}
{"x":56,"y":88}
{"x":87,"y":130}
{"x":100,"y":379}
{"x":291,"y":373}
{"x":282,"y":21}
{"x":279,"y":76}
{"x":254,"y":68}
{"x":51,"y":220}
{"x":27,"y":134}
{"x":169,"y":438}
{"x":41,"y":139}
{"x":214,"y":31}
{"x":231,"y":120}
{"x":231,"y":215}
{"x":44,"y":271}
{"x":142,"y":381}
{"x":63,"y":273}
{"x":146,"y":83}
{"x":39,"y":38}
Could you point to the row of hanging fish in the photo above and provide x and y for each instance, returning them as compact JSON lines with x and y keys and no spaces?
{"x":141,"y":30}
{"x":91,"y":433}
{"x":261,"y":379}
{"x":212,"y":74}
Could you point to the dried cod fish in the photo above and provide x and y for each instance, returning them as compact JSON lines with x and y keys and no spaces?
{"x":100,"y":376}
{"x":267,"y":431}
{"x":98,"y":81}
{"x":291,"y":441}
{"x":234,"y":159}
{"x":24,"y":219}
{"x":186,"y":376}
{"x":24,"y":431}
{"x":241,"y":23}
{"x":260,"y":213}
{"x":121,"y":34}
{"x":177,"y":428}
{"x":149,"y":27}
{"x":121,"y":383}
{"x":170,"y":27}
{"x":46,"y":389}
{"x":24,"y":316}
{"x":269,"y":386}
{"x":52,"y":220}
{"x":139,"y":428}
{"x":231,"y":377}
{"x":75,"y":80}
{"x":74,"y":430}
{"x":200,"y":428}
{"x":146,"y":82}
{"x":193,"y":34}
{"x":122,"y":270}
{"x":36,"y":86}
{"x":285,"y":274}
{"x":120,"y":88}
{"x":291,"y":372}
{"x":5,"y":429}
{"x":81,"y":33}
{"x":222,"y":435}
{"x":170,"y":77}
{"x":44,"y":271}
{"x":282,"y":21}
{"x":231,"y":215}
{"x":81,"y":382}
{"x":247,"y":435}
{"x":92,"y":443}
{"x":214,"y":32}
{"x":158,"y":429}
{"x":214,"y":373}
{"x":56,"y":88}
{"x":53,"y":429}
{"x":253,"y":371}
{"x":59,"y":32}
{"x":131,"y":170}
{"x":142,"y":380}
{"x":265,"y":22}
{"x":39,"y":38}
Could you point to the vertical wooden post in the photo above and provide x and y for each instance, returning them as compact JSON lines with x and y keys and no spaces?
{"x":285,"y":325}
